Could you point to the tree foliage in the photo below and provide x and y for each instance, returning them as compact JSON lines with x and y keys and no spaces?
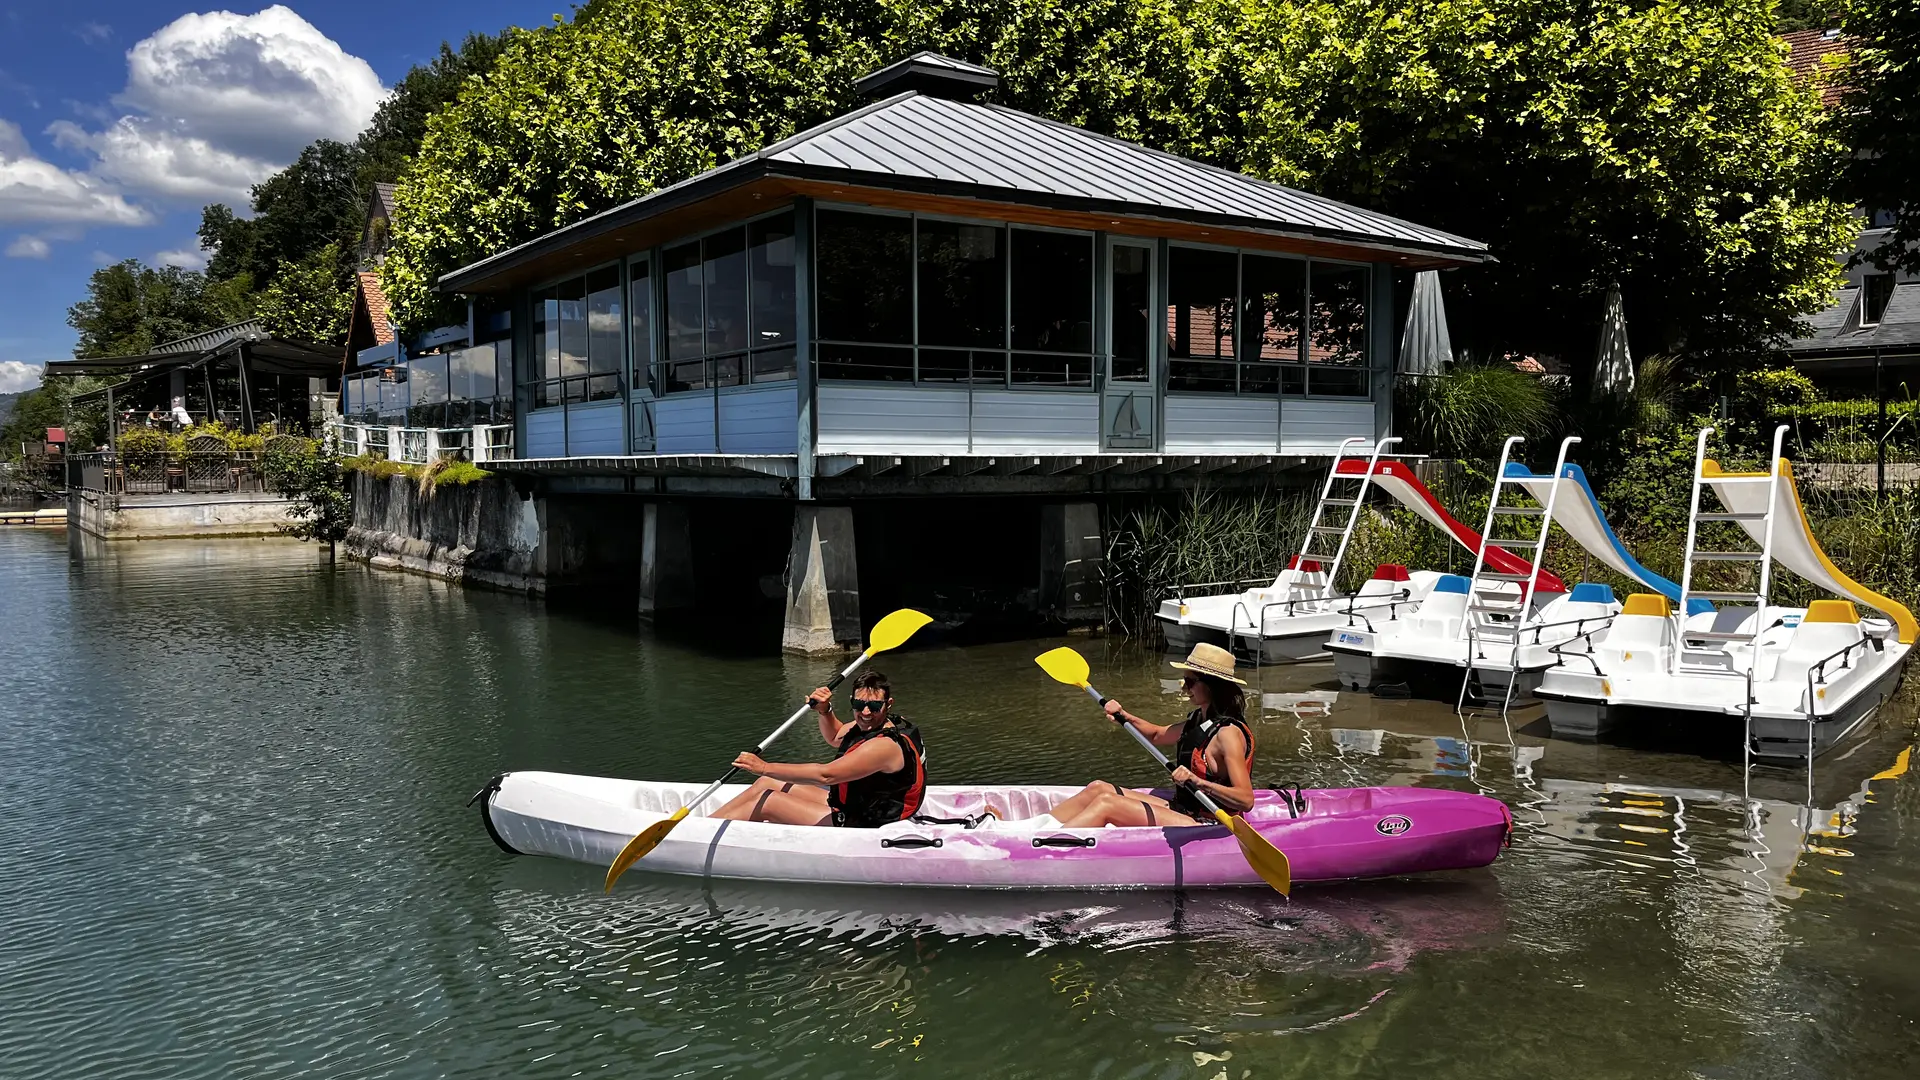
{"x":1878,"y":118}
{"x":131,"y":308}
{"x":401,"y":121}
{"x":310,"y":299}
{"x":313,"y":478}
{"x":1661,"y":145}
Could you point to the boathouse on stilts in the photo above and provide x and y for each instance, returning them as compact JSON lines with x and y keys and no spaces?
{"x":921,"y":345}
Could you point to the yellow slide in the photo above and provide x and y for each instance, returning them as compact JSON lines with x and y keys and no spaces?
{"x":1793,"y":544}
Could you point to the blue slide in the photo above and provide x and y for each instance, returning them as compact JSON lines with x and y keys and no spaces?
{"x":1577,"y":511}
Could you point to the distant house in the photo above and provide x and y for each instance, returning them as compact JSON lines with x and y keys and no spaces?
{"x":1874,"y":317}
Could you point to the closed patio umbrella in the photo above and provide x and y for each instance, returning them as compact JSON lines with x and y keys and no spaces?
{"x":1613,"y":362}
{"x":1425,"y":346}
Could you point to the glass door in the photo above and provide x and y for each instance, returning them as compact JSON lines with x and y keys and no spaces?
{"x":1130,"y":400}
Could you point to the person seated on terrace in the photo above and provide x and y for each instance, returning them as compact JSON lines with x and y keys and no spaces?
{"x":1215,"y":755}
{"x":878,"y":776}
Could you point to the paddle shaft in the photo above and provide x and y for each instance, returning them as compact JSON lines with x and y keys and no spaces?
{"x":832,"y":684}
{"x":1192,"y":789}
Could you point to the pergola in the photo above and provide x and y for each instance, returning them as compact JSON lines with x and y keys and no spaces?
{"x":244,"y":348}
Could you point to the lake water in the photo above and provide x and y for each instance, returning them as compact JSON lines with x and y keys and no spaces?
{"x":233,"y":843}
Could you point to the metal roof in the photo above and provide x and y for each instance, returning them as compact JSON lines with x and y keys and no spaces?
{"x":912,"y":142}
{"x":928,"y":72}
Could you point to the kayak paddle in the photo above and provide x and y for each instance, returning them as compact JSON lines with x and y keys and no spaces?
{"x":890,"y":633}
{"x":1268,"y":861}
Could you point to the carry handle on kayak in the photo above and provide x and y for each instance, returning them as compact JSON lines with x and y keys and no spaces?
{"x":1066,"y":666}
{"x":889,"y":633}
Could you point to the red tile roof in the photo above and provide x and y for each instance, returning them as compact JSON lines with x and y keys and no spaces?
{"x":375,"y":300}
{"x":1807,"y":49}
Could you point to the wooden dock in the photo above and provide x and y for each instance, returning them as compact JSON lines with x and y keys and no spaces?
{"x":55,"y":517}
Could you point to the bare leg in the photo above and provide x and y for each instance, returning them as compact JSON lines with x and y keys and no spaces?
{"x":792,"y":808}
{"x":1131,"y":810}
{"x":1075,"y":805}
{"x":745,"y":806}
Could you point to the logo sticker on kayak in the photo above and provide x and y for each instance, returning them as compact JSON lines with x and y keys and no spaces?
{"x":1351,"y":639}
{"x":1393,"y":826}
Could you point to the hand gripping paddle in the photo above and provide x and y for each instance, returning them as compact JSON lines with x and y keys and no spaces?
{"x":890,"y":633}
{"x":1268,"y":861}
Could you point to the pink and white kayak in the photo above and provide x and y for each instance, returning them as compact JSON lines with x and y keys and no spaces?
{"x":1342,"y":833}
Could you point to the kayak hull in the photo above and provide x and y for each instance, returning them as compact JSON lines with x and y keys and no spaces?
{"x":1345,"y":833}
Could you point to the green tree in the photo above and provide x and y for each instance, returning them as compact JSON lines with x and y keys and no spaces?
{"x":1791,"y":15}
{"x":630,"y":96}
{"x":400,"y":123}
{"x":131,"y":308}
{"x":1877,"y":118}
{"x":1662,"y":145}
{"x":309,"y":300}
{"x":313,"y":478}
{"x":311,"y":203}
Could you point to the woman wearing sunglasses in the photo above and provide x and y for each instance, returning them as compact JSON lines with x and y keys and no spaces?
{"x":1215,"y":755}
{"x":879,"y":775}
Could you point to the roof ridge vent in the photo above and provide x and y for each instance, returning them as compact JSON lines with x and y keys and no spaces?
{"x":931,"y":74}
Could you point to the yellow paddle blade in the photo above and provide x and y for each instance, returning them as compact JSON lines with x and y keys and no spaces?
{"x":1267,"y":861}
{"x":1065,"y":666}
{"x":637,"y":847}
{"x":894,"y":630}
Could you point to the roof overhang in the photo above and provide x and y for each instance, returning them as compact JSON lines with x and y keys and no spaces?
{"x":757,"y":183}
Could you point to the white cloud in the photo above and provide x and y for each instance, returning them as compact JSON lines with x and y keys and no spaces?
{"x":33,"y":190}
{"x":223,"y":100}
{"x":184,"y":258}
{"x":18,"y":375}
{"x":161,"y":159}
{"x":94,"y":33}
{"x":28,"y":247}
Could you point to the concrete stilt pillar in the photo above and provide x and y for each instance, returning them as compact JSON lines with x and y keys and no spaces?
{"x":1071,"y":553}
{"x":823,"y":582}
{"x":666,"y":558}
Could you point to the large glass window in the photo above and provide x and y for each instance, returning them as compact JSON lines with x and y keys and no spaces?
{"x":1201,"y":291}
{"x":770,"y":253}
{"x":605,"y":334}
{"x":1337,"y":331}
{"x":865,"y":304}
{"x":1052,"y":308}
{"x":577,"y":344}
{"x":730,"y":308}
{"x":1273,"y":302}
{"x":1265,"y":324}
{"x":1131,"y":329}
{"x":962,"y":302}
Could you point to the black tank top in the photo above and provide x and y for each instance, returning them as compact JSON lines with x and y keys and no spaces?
{"x":881,"y":798}
{"x":1192,"y":752}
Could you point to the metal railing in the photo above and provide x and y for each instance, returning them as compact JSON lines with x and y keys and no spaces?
{"x":479,"y":443}
{"x":172,"y":472}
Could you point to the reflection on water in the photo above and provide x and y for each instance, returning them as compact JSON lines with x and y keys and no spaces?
{"x":235,"y":845}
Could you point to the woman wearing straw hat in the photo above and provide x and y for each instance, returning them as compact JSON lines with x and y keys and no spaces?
{"x":1215,"y":755}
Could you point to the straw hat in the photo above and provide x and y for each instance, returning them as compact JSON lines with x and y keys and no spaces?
{"x":1210,"y":660}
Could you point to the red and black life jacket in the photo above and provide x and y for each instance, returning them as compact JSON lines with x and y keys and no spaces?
{"x":881,"y":798}
{"x":1192,"y":752}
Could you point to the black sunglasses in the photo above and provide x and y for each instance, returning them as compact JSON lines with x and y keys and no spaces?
{"x":869,"y":706}
{"x":1187,"y":681}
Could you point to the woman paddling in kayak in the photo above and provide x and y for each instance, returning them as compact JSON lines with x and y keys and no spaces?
{"x":1215,"y":755}
{"x":878,"y":776}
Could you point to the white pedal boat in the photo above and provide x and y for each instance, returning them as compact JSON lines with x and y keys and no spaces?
{"x":1343,"y":833}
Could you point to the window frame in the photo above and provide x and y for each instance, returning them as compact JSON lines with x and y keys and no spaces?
{"x":1304,"y":366}
{"x":656,"y":376}
{"x":536,"y":359}
{"x":1006,"y":351}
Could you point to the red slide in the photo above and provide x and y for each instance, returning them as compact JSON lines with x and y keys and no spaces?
{"x":1394,"y":478}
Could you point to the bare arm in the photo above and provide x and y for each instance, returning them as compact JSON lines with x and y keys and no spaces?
{"x":831,"y":727}
{"x":1169,"y":735}
{"x":872,"y":756}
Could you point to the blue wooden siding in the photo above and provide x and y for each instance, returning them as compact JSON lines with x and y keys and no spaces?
{"x":546,"y":434}
{"x":760,"y":420}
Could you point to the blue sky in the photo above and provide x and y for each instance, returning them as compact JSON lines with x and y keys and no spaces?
{"x":119,"y":121}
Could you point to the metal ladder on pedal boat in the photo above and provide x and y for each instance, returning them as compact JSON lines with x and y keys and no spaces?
{"x":1763,"y":559}
{"x":1486,"y":605}
{"x":1330,"y":563}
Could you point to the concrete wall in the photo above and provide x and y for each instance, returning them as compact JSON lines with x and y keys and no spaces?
{"x":160,"y":517}
{"x":482,"y":532}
